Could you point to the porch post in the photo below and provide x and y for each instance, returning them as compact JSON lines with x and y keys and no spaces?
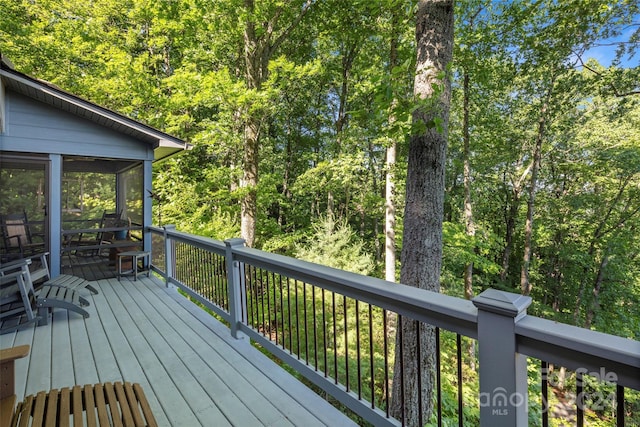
{"x":147,"y":203}
{"x":503,"y":371}
{"x":236,"y":288}
{"x":54,"y":211}
{"x":169,"y":255}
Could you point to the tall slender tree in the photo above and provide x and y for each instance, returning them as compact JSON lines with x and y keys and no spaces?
{"x":423,"y":215}
{"x":265,"y":28}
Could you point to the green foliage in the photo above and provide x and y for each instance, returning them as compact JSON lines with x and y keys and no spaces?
{"x":334,"y":244}
{"x":330,"y":106}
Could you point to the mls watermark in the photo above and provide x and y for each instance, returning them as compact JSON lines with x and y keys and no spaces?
{"x":592,"y":398}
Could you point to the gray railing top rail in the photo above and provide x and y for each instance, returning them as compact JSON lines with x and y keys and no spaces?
{"x":198,"y":241}
{"x":570,"y":346}
{"x":601,"y":355}
{"x":445,"y":311}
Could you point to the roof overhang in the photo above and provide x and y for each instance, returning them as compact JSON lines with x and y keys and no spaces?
{"x":163,"y":144}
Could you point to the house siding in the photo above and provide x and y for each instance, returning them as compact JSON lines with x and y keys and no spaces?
{"x":35,"y":127}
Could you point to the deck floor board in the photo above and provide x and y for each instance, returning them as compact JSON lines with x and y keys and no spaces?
{"x":192,"y":370}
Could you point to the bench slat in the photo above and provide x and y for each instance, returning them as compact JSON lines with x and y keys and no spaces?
{"x":64,"y":407}
{"x":113,"y":405}
{"x":125,"y":406}
{"x":138,"y":418}
{"x":101,"y":405}
{"x":76,"y":397}
{"x":38,"y":408}
{"x":51,"y":409}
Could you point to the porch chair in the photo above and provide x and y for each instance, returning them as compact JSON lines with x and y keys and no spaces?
{"x":40,"y":275}
{"x":19,"y":299}
{"x":17,"y":236}
{"x":108,"y":220}
{"x":102,"y":404}
{"x":16,"y":311}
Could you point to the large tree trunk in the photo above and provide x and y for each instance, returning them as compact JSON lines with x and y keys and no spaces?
{"x":412,"y":394}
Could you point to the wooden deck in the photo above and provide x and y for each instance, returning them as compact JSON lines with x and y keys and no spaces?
{"x":192,"y":371}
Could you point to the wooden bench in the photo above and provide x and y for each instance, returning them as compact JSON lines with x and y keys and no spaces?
{"x":104,"y":404}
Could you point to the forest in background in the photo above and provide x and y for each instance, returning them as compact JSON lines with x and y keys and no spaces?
{"x":301,"y":111}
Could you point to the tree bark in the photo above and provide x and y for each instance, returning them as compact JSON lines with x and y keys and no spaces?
{"x":510,"y":219}
{"x":595,"y":306}
{"x":412,"y":393}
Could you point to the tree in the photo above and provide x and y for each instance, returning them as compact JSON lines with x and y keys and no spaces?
{"x":423,"y":215}
{"x":266,"y":26}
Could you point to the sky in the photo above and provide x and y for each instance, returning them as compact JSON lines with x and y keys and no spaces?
{"x":606,"y":53}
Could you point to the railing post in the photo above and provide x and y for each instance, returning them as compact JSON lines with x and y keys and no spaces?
{"x":503,"y":371}
{"x":169,"y":256}
{"x":236,"y":288}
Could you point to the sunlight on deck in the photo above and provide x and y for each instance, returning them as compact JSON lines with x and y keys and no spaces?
{"x":192,"y":371}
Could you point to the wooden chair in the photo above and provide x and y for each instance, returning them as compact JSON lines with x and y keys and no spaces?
{"x":18,"y":298}
{"x":15,"y":304}
{"x":40,"y":275}
{"x":102,"y":404}
{"x":17,"y":236}
{"x":101,"y":237}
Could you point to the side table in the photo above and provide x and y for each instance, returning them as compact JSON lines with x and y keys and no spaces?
{"x":136,"y":256}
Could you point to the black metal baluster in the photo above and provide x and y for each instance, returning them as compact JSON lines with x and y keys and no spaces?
{"x":281,"y":312}
{"x":213,"y":271}
{"x":545,"y":393}
{"x":419,"y":358}
{"x":346,"y":342}
{"x":387,"y":397}
{"x":306,"y":325}
{"x":246,"y":297}
{"x":254,"y":289}
{"x":438,"y":378}
{"x":579,"y":400}
{"x":335,"y":341}
{"x":247,"y":287}
{"x":399,"y":354}
{"x":289,"y":327}
{"x":222,"y":266}
{"x":241,"y":272}
{"x":212,"y":277}
{"x":315,"y":332}
{"x":324,"y":331}
{"x":620,"y":413}
{"x":459,"y":356}
{"x":297,"y":318}
{"x":265,"y":332}
{"x":268,"y":291}
{"x":371,"y":360}
{"x":358,"y":353}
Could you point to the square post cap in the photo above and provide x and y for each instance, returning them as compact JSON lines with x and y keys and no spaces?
{"x":501,"y":302}
{"x":236,"y":241}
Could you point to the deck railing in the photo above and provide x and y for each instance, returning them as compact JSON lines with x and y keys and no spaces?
{"x":337,"y":330}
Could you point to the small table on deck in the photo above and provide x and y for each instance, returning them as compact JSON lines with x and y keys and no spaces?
{"x":135,"y":256}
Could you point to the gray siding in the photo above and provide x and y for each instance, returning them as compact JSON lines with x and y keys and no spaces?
{"x":34,"y":127}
